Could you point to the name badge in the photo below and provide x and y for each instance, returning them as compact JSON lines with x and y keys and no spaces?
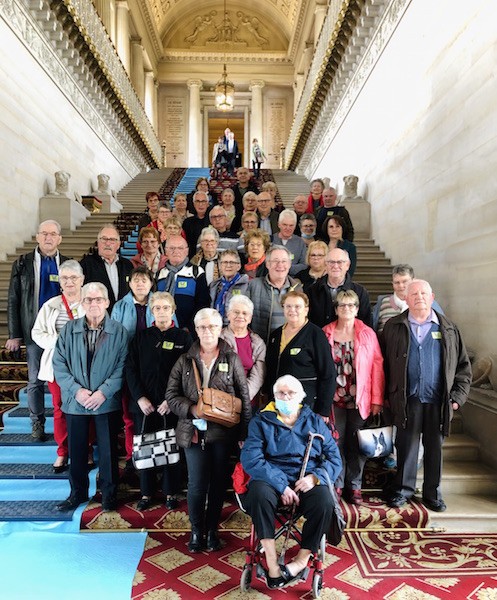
{"x":294,"y":351}
{"x":223,"y":367}
{"x":292,"y":256}
{"x":182,"y":284}
{"x":168,"y":345}
{"x":436,"y":335}
{"x":235,"y":292}
{"x":54,"y":278}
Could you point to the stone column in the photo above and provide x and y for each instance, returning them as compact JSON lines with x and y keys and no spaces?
{"x":247,"y":146}
{"x":194,"y":124}
{"x":122,"y":33}
{"x":319,"y":17}
{"x":137,"y":74}
{"x":256,"y":120}
{"x":150,"y":102}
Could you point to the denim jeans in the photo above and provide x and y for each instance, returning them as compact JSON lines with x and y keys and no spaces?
{"x":35,"y":387}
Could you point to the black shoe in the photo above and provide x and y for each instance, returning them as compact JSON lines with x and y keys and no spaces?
{"x":109,"y":504}
{"x":435,"y":505}
{"x":70,"y":503}
{"x":397,"y":500}
{"x":213,"y":541}
{"x":196,"y":543}
{"x":60,"y":468}
{"x":144,"y":503}
{"x":38,"y":432}
{"x":288,"y":577}
{"x":171,"y":503}
{"x":274,"y":583}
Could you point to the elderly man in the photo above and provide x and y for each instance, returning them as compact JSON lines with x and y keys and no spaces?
{"x":184,"y":281}
{"x":106,"y":266}
{"x":242,"y":186}
{"x":330,"y":208}
{"x":228,"y":240}
{"x":428,"y":375}
{"x":300,"y":208}
{"x":34,"y":279}
{"x":267,"y":292}
{"x":322,"y":295}
{"x":287,"y":221}
{"x":88,"y":365}
{"x":192,"y":226}
{"x":268,"y":217}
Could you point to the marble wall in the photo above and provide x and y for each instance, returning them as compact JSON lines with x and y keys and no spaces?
{"x":423,"y":139}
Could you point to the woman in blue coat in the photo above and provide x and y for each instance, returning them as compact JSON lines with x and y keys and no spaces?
{"x":273,"y":455}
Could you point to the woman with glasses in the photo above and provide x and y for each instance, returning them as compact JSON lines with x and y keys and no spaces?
{"x":53,"y":315}
{"x":152,"y":354}
{"x":332,"y":233}
{"x":360,"y":384}
{"x":151,"y":256}
{"x":272,"y":456}
{"x":207,"y":257}
{"x":207,"y":445}
{"x":230,"y":284}
{"x":315,"y":258}
{"x":300,"y":348}
{"x":88,"y":365}
{"x":257,"y":243}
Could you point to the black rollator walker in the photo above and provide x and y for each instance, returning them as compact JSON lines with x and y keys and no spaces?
{"x":286,"y":523}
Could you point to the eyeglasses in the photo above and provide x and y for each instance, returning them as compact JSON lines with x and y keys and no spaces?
{"x":241,"y":313}
{"x":282,"y":395}
{"x":204,"y":328}
{"x":317,"y":255}
{"x":293,"y":306}
{"x":249,"y":222}
{"x":98,"y":300}
{"x":151,"y":241}
{"x":176,"y":248}
{"x":264,"y":201}
{"x":229,"y":263}
{"x":339,"y":263}
{"x":208,"y":242}
{"x":108,"y":239}
{"x":71,"y":278}
{"x":279,"y":262}
{"x":165,"y":307}
{"x":201,"y":201}
{"x":52,"y":234}
{"x":217,"y":216}
{"x":349,"y":306}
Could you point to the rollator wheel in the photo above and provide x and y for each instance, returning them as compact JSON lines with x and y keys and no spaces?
{"x":246,"y":578}
{"x":317,"y":584}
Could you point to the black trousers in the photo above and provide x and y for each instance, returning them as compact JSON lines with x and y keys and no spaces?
{"x":262,"y":500}
{"x":107,"y":427}
{"x":422,"y":420}
{"x":347,"y":422}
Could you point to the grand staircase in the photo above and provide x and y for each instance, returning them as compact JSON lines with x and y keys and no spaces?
{"x":470,"y":487}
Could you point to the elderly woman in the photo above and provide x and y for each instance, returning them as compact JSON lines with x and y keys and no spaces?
{"x":332,"y":233}
{"x":249,"y":202}
{"x":152,"y":212}
{"x":272,"y":456}
{"x":164,"y":212}
{"x":227,"y":202}
{"x":207,"y":445}
{"x":249,"y":223}
{"x":180,"y":209}
{"x":247,"y":344}
{"x":307,"y":226}
{"x":315,"y":199}
{"x":201,"y":185}
{"x":315,"y":258}
{"x":151,"y":257}
{"x":300,"y":348}
{"x":257,"y":243}
{"x":231,"y":282}
{"x":88,"y":365}
{"x":207,"y":257}
{"x":53,"y":315}
{"x":152,"y":354}
{"x":360,"y":387}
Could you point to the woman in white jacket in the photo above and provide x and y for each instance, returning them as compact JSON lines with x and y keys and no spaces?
{"x":53,"y":315}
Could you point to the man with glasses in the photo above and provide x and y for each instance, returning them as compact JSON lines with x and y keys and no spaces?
{"x":268,"y":217}
{"x":228,"y":240}
{"x":106,"y":266}
{"x":34,"y":279}
{"x":192,"y":226}
{"x":184,"y":281}
{"x":267,"y":292}
{"x":322,"y":295}
{"x":243,"y":185}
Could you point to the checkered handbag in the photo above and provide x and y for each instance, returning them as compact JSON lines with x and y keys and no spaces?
{"x":155,"y":449}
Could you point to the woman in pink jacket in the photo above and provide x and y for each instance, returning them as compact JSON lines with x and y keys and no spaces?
{"x":360,"y":387}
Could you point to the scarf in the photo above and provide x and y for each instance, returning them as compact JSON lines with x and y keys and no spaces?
{"x":49,"y":279}
{"x":170,"y":280}
{"x":252,"y":266}
{"x":223,"y":288}
{"x":155,"y":266}
{"x":402,"y":304}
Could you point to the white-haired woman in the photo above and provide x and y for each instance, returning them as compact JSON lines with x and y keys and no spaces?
{"x":207,"y":445}
{"x":88,"y":364}
{"x":272,"y":456}
{"x":53,"y":315}
{"x":230,"y":283}
{"x":207,"y":256}
{"x":248,"y":345}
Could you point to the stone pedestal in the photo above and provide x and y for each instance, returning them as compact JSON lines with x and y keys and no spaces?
{"x":109,"y":202}
{"x":66,"y":211}
{"x":360,"y":214}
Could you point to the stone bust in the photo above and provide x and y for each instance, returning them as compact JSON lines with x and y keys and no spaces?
{"x":103,"y":183}
{"x":350,"y":189}
{"x":62,"y":182}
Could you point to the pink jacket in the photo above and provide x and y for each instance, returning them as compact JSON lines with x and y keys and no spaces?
{"x":370,"y":377}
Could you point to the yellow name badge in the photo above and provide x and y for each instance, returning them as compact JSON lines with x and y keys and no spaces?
{"x":235,"y":292}
{"x":294,"y":351}
{"x":54,"y":278}
{"x":436,"y":335}
{"x":223,"y":367}
{"x":292,"y":256}
{"x":167,"y":345}
{"x":182,"y":284}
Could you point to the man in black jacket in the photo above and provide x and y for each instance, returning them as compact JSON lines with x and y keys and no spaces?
{"x":34,"y":280}
{"x":106,"y":266}
{"x":322,"y":295}
{"x":243,"y":185}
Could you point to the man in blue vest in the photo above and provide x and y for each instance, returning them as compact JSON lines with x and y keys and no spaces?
{"x":428,"y":375}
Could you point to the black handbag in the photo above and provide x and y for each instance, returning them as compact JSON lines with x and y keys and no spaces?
{"x":337,"y":525}
{"x":375,"y":440}
{"x":155,"y":449}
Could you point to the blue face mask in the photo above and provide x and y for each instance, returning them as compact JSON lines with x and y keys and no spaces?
{"x":287,"y":407}
{"x":308,"y":236}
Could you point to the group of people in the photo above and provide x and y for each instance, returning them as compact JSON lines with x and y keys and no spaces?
{"x":226,"y":155}
{"x":268,"y":315}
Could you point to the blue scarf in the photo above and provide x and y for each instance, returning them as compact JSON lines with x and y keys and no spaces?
{"x":49,"y":279}
{"x":223,"y":288}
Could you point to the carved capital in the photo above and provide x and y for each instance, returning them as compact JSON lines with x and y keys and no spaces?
{"x":191,"y":83}
{"x":257,"y":83}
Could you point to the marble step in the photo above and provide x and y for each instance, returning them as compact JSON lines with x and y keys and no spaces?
{"x":467,"y":513}
{"x":465,"y":477}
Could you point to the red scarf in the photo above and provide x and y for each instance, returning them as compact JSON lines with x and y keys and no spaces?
{"x":252,"y":266}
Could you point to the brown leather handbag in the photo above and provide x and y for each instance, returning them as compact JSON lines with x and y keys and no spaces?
{"x":217,"y":406}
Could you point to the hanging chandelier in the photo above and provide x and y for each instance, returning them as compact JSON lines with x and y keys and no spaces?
{"x":224,"y":91}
